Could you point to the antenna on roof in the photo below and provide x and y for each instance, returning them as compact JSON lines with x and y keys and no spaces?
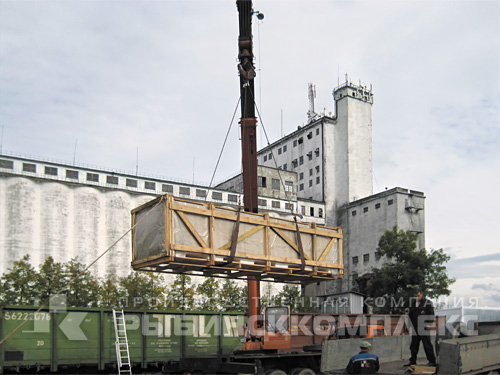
{"x":312,"y":95}
{"x":74,"y":152}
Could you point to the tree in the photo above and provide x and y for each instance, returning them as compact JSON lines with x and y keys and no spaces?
{"x":109,"y":293}
{"x":232,"y":297}
{"x":392,"y":285}
{"x":208,"y":295}
{"x":51,"y":279}
{"x":142,"y":290}
{"x":19,"y":284}
{"x":84,"y":288}
{"x":181,"y":294}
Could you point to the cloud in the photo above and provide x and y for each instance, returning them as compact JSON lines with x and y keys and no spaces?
{"x":474,"y":267}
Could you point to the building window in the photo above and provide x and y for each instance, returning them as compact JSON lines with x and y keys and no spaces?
{"x":279,"y":151}
{"x":167,"y":188}
{"x":310,"y":155}
{"x":270,"y":156}
{"x":27,"y":167}
{"x":318,"y":180}
{"x":353,"y":212}
{"x":303,"y":210}
{"x":309,"y":135}
{"x":317,"y":131}
{"x":377,"y":205}
{"x":201,"y":193}
{"x":112,"y":180}
{"x":317,"y":169}
{"x":71,"y":174}
{"x":232,"y":198}
{"x":216,"y":196}
{"x":149,"y":185}
{"x":355,"y":260}
{"x":294,"y":143}
{"x":301,"y":140}
{"x":276,"y":204}
{"x":366,"y":258}
{"x":301,"y":187}
{"x":262,"y":202}
{"x":284,"y":148}
{"x":311,"y":211}
{"x":265,"y":157}
{"x":377,"y":255}
{"x":94,"y":177}
{"x":320,"y":212}
{"x":51,"y":171}
{"x":285,"y":167}
{"x":289,"y":186}
{"x":261,"y":181}
{"x":310,"y":183}
{"x":294,"y":163}
{"x":301,"y":160}
{"x":310,"y":172}
{"x":289,"y":206}
{"x":184,"y":190}
{"x":354,"y":280}
{"x":389,"y":202}
{"x":131,"y":183}
{"x":7,"y":164}
{"x":365,"y":209}
{"x":301,"y":175}
{"x":276,"y":184}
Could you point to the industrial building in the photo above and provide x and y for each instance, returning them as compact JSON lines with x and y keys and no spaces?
{"x":322,"y":171}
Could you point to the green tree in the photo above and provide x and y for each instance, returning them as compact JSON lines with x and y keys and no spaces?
{"x":232,"y":297}
{"x":109,"y":292}
{"x":142,"y":290}
{"x":208,"y":295}
{"x":407,"y":268}
{"x":84,"y":288}
{"x":51,"y":279}
{"x":19,"y":284}
{"x":180,"y":296}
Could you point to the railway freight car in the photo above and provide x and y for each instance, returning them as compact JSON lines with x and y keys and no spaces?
{"x":84,"y":338}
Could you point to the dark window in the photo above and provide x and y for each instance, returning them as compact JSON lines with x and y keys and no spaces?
{"x":131,"y":183}
{"x":276,"y":204}
{"x":261,"y":181}
{"x":284,"y":148}
{"x":353,"y":213}
{"x":317,"y":131}
{"x":311,"y":211}
{"x":276,"y":184}
{"x":270,"y":156}
{"x":377,"y":205}
{"x":377,"y":255}
{"x":184,"y":190}
{"x":265,"y":157}
{"x":310,"y":172}
{"x":289,"y":206}
{"x":355,"y":260}
{"x":301,"y":140}
{"x":310,"y":155}
{"x":309,"y":135}
{"x":71,"y":174}
{"x":317,"y":152}
{"x":303,"y":210}
{"x":201,"y":193}
{"x":232,"y":198}
{"x":301,"y":175}
{"x":167,"y":188}
{"x":310,"y":183}
{"x":149,"y":185}
{"x":390,"y":201}
{"x":94,"y":177}
{"x":294,"y":143}
{"x":317,"y":169}
{"x":365,"y":209}
{"x":51,"y":171}
{"x":262,"y":202}
{"x":301,"y":187}
{"x":320,"y":212}
{"x":27,"y":167}
{"x":284,"y":167}
{"x":289,"y":186}
{"x":294,"y":163}
{"x":318,"y":180}
{"x":112,"y":180}
{"x":216,"y":196}
{"x":279,"y":151}
{"x":301,"y":160}
{"x":366,"y":258}
{"x":7,"y":164}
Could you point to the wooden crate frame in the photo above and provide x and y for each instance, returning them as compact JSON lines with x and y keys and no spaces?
{"x":207,"y":258}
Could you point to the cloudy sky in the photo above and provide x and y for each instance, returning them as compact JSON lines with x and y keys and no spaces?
{"x":100,"y":82}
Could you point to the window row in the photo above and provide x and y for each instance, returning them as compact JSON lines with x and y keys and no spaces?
{"x":366,"y":258}
{"x":275,"y":183}
{"x":390,"y":202}
{"x":311,"y":211}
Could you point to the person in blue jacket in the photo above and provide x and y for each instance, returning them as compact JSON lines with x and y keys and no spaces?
{"x":364,"y":362}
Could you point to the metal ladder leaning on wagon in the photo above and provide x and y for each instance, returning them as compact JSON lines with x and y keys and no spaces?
{"x":121,"y":343}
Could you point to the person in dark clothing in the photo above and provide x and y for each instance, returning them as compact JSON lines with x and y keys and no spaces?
{"x":422,"y":317}
{"x":364,"y":362}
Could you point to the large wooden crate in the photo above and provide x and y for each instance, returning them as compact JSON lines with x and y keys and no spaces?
{"x":178,"y":236}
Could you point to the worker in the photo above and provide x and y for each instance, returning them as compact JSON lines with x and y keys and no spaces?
{"x":422,"y":317}
{"x":364,"y":362}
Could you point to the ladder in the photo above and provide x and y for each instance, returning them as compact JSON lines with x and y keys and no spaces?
{"x":121,"y":343}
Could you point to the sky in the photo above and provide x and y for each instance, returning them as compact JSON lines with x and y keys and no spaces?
{"x":152,"y":85}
